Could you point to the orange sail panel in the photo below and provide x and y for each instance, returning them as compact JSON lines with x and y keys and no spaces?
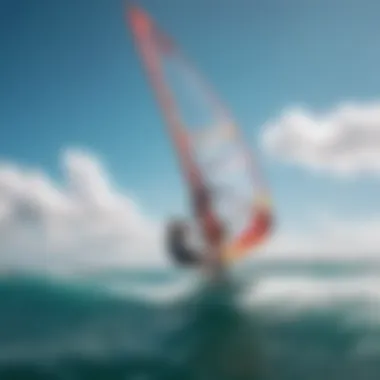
{"x":211,"y":151}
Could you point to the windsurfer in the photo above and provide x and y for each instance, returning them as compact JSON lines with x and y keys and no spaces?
{"x":178,"y":247}
{"x":178,"y":233}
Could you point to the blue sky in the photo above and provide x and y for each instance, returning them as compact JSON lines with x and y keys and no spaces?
{"x":70,"y":76}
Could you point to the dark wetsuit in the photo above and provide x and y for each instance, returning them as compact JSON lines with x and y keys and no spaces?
{"x":178,"y":248}
{"x":176,"y":234}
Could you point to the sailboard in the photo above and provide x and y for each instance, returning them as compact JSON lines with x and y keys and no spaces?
{"x":209,"y":145}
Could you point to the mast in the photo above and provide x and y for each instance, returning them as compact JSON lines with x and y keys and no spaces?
{"x":148,"y":38}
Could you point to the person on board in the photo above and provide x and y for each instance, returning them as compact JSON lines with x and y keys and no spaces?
{"x":178,"y":233}
{"x":178,"y":246}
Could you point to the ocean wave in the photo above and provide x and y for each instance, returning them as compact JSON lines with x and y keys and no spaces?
{"x":297,"y":323}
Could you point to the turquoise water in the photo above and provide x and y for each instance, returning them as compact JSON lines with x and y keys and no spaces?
{"x":275,"y":321}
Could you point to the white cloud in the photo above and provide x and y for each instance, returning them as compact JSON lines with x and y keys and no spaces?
{"x":80,"y":225}
{"x":85,"y":224}
{"x":333,"y":238}
{"x":345,"y":141}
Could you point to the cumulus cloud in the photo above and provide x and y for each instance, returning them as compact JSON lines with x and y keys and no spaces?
{"x":82,"y":224}
{"x":85,"y":223}
{"x":345,"y":141}
{"x":333,"y":238}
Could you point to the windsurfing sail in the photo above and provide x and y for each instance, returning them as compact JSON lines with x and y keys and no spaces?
{"x":212,"y":153}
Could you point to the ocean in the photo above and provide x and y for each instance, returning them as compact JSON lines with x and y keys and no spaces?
{"x":280,"y":321}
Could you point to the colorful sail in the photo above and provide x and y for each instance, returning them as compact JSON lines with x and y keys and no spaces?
{"x":211,"y":151}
